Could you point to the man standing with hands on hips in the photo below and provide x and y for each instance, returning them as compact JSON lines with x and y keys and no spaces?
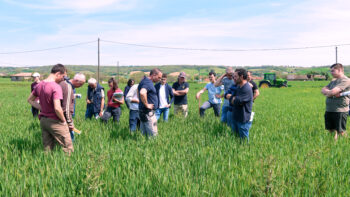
{"x":337,"y":107}
{"x":149,"y":103}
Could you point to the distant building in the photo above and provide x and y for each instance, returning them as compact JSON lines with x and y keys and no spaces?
{"x":21,"y":76}
{"x":3,"y":75}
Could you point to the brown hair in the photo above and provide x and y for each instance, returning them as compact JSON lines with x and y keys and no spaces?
{"x":338,"y":66}
{"x":115,"y":84}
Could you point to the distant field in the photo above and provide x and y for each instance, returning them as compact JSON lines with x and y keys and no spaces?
{"x":289,"y":154}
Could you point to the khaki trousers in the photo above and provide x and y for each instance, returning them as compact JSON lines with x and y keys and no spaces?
{"x":55,"y":131}
{"x":183,"y":109}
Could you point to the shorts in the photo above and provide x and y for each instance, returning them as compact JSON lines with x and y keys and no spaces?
{"x":336,"y":121}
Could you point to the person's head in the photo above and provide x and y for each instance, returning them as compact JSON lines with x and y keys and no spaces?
{"x":131,"y":82}
{"x":155,"y":75}
{"x":59,"y":72}
{"x":182,"y":77}
{"x":36,"y":76}
{"x":112,"y":83}
{"x":164,"y":78}
{"x":92,"y":83}
{"x":229,"y":72}
{"x":212,"y":76}
{"x":240,"y":75}
{"x":337,"y":70}
{"x":249,"y":76}
{"x":78,"y":80}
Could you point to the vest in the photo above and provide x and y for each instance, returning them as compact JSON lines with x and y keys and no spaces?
{"x":96,"y":97}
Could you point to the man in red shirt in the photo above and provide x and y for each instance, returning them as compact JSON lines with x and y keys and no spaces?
{"x":52,"y":121}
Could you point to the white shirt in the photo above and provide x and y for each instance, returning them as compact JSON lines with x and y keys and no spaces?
{"x":162,"y":97}
{"x":132,"y":94}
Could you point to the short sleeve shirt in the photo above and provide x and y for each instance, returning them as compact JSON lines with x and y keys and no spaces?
{"x":180,"y":100}
{"x":152,"y":97}
{"x":212,"y":92}
{"x":110,"y":95}
{"x":47,"y":93}
{"x":340,"y":104}
{"x":255,"y":87}
{"x":227,"y":84}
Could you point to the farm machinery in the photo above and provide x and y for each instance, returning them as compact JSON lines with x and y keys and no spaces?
{"x":270,"y":80}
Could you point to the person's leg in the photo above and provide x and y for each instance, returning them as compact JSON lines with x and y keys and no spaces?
{"x":224,"y":114}
{"x":216,"y":108}
{"x":166,"y":114}
{"x":133,"y":114}
{"x":184,"y":109}
{"x":61,"y":134}
{"x":106,"y":115}
{"x":243,"y":129}
{"x":234,"y":128}
{"x":48,"y":140}
{"x":340,"y":124}
{"x":116,"y":112}
{"x":229,"y":118}
{"x":177,"y":109}
{"x":88,"y":113}
{"x":158,"y":113}
{"x":204,"y":107}
{"x":35,"y":112}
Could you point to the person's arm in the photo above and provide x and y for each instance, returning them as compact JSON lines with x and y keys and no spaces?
{"x":244,"y":97}
{"x":256,"y":94}
{"x":218,"y":82}
{"x":118,"y":101}
{"x":58,"y":110}
{"x":143,"y":97}
{"x":198,"y":95}
{"x":171,"y":94}
{"x":181,"y":92}
{"x":31,"y":100}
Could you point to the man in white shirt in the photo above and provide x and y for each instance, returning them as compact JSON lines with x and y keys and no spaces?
{"x":133,"y":101}
{"x":164,"y":92}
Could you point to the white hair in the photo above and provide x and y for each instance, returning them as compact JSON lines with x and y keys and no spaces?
{"x":79,"y":77}
{"x":92,"y":81}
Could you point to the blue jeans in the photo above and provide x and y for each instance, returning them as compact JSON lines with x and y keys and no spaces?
{"x":224,"y":112}
{"x":241,"y":129}
{"x":90,"y":112}
{"x":229,"y":118}
{"x":206,"y":105}
{"x":134,"y":120}
{"x":165,"y":112}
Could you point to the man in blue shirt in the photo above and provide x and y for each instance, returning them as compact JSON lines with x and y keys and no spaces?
{"x":149,"y":103}
{"x":180,"y":90}
{"x":242,"y":103}
{"x":214,"y":96}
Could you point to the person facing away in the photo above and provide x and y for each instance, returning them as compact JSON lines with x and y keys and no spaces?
{"x":95,"y":101}
{"x":227,"y":81}
{"x":114,"y":102}
{"x":255,"y":88}
{"x":149,"y":103}
{"x":52,"y":121}
{"x":36,"y":81}
{"x":68,"y":102}
{"x":165,"y":98}
{"x":337,"y":106}
{"x":214,"y":97}
{"x":180,"y":90}
{"x":242,"y":103}
{"x":130,"y":83}
{"x":132,"y":99}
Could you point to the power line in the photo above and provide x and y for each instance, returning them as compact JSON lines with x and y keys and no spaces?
{"x":47,"y":49}
{"x":222,"y":50}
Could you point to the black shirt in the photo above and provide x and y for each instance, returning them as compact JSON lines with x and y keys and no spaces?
{"x":180,"y":100}
{"x":151,"y":93}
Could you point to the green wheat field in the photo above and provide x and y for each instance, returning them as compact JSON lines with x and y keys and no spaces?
{"x":289,"y":153}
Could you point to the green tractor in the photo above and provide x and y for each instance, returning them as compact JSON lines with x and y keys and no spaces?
{"x":270,"y":80}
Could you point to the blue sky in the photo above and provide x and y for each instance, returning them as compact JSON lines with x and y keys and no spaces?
{"x":220,"y":24}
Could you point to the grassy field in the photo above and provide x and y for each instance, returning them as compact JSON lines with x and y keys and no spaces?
{"x":289,"y":152}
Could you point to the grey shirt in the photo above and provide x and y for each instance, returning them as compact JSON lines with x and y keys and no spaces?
{"x":340,"y":104}
{"x":227,"y":84}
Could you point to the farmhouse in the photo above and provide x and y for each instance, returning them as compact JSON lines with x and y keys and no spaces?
{"x":21,"y":76}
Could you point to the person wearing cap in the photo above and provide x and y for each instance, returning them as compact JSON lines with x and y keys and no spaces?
{"x":95,"y":99}
{"x":180,"y":90}
{"x":68,"y":102}
{"x":149,"y":103}
{"x":52,"y":121}
{"x":214,"y":97}
{"x":36,"y":79}
{"x":227,"y":81}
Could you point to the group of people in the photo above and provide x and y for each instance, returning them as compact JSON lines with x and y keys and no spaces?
{"x":55,"y":97}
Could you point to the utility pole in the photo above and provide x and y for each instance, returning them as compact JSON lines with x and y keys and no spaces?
{"x":98,"y":60}
{"x":336,"y":55}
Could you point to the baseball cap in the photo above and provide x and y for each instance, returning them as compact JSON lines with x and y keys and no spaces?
{"x":182,"y":74}
{"x":35,"y":74}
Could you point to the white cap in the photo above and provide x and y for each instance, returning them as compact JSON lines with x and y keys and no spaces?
{"x":92,"y":81}
{"x":35,"y":75}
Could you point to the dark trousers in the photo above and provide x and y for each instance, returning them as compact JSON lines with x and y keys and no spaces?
{"x":206,"y":105}
{"x":35,"y":112}
{"x":112,"y":111}
{"x":134,"y":120}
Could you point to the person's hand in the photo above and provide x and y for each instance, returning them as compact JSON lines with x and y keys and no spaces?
{"x":217,"y":95}
{"x":88,"y":101}
{"x":233,"y":99}
{"x":100,"y":114}
{"x":71,"y":127}
{"x":324,"y":91}
{"x":168,"y":105}
{"x":149,"y":106}
{"x":337,"y":95}
{"x":228,"y":96}
{"x":197,"y":96}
